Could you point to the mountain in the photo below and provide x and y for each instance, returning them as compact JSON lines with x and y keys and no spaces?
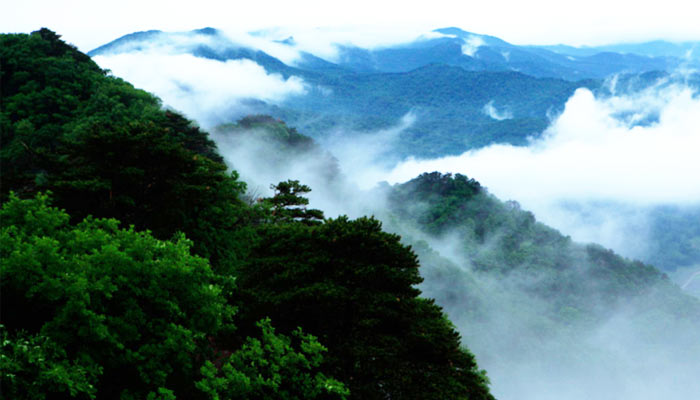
{"x":205,"y":43}
{"x":455,"y":109}
{"x":202,"y":294}
{"x":536,"y":307}
{"x":688,"y":51}
{"x":464,"y":90}
{"x":487,"y":53}
{"x":183,"y":302}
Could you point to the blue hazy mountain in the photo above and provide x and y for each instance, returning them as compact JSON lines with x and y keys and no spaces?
{"x":689,"y":51}
{"x":206,"y":43}
{"x":477,"y":52}
{"x":455,"y":109}
{"x":466,"y":90}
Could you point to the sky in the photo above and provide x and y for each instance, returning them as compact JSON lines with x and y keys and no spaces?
{"x":90,"y":23}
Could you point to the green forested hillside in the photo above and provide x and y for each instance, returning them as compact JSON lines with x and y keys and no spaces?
{"x":134,"y":266}
{"x":448,"y":102}
{"x":158,"y":281}
{"x":563,"y":310}
{"x":501,"y":239}
{"x":534,"y":306}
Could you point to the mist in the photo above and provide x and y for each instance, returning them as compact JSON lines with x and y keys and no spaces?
{"x":206,"y":90}
{"x":622,"y":354}
{"x":595,"y":174}
{"x":600,"y":168}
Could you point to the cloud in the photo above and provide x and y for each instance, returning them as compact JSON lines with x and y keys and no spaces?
{"x":492,"y":112}
{"x":600,"y":167}
{"x":471,"y":45}
{"x":596,"y":150}
{"x":208,"y":91}
{"x":340,"y":179}
{"x":325,"y":42}
{"x":362,"y":153}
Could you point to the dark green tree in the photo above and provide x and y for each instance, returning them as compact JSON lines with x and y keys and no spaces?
{"x":34,"y":367}
{"x":108,"y":150}
{"x":353,"y":286}
{"x":289,"y":204}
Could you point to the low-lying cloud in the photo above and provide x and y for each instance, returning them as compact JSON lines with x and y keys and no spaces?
{"x":471,"y":45}
{"x":512,"y":338}
{"x":325,"y":42}
{"x":590,"y":152}
{"x":499,"y":115}
{"x":208,"y":91}
{"x":598,"y":168}
{"x":361,"y":153}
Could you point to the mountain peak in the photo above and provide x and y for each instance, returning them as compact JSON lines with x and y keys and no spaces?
{"x":209,"y":31}
{"x":453,"y":31}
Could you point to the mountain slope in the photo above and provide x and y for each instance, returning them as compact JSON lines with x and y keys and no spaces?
{"x":461,"y":88}
{"x":570,"y":312}
{"x":96,"y":302}
{"x":486,"y":53}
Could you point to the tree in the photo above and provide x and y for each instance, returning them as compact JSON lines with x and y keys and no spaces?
{"x":108,"y":150}
{"x":94,"y":311}
{"x":34,"y":367}
{"x":137,"y":309}
{"x":289,"y":205}
{"x":352,"y":285}
{"x":271,"y":369}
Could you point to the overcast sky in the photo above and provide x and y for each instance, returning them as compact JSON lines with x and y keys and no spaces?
{"x":90,"y":23}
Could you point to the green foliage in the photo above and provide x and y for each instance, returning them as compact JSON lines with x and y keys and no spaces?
{"x":675,"y":236}
{"x":109,"y":150}
{"x":117,"y":301}
{"x":352,"y":285}
{"x":120,"y":313}
{"x":289,"y":205}
{"x":577,"y":285}
{"x":270,"y":368}
{"x":33,"y":367}
{"x":448,"y":102}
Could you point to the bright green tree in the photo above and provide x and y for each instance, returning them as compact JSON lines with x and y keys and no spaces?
{"x":92,"y":310}
{"x":271,"y":369}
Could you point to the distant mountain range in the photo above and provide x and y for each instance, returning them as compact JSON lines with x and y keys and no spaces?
{"x":466,"y":90}
{"x":487,"y":53}
{"x":452,"y":46}
{"x":689,"y":51}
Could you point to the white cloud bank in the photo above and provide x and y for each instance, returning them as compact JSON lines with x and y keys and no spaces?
{"x":592,"y":152}
{"x":597,"y":169}
{"x":205,"y":90}
{"x":471,"y":45}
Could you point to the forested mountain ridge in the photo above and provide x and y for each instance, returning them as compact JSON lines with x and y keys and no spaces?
{"x":456,"y":108}
{"x":91,"y":299}
{"x":529,"y":300}
{"x":92,"y":310}
{"x":565,"y":312}
{"x":362,"y":90}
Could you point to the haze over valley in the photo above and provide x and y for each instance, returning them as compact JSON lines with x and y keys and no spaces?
{"x":448,"y":213}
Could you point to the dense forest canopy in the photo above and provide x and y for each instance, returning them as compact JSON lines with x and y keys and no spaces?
{"x":143,"y":280}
